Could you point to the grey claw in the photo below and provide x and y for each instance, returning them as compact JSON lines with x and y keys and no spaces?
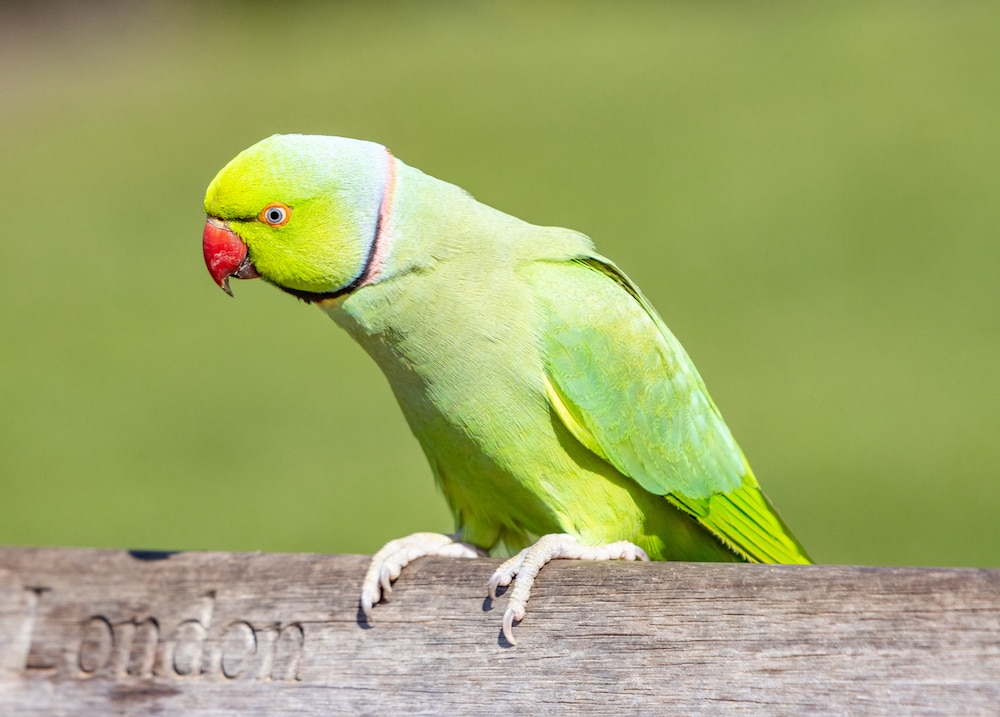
{"x":508,"y":626}
{"x":492,"y":586}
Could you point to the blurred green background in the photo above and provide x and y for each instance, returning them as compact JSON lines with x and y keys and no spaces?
{"x":806,"y":191}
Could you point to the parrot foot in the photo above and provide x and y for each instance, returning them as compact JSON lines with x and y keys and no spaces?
{"x":388,"y":563}
{"x":526,"y":565}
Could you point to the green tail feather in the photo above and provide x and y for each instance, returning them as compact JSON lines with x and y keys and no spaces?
{"x":745,"y":521}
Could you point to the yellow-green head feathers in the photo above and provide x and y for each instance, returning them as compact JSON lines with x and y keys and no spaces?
{"x":306,"y":207}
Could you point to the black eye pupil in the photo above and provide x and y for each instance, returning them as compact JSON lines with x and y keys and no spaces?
{"x":274,"y":215}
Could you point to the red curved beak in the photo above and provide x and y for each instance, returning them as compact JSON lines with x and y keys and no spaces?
{"x":225,"y":254}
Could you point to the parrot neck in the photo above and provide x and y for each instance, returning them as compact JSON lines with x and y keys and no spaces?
{"x":423,"y":222}
{"x":382,"y":240}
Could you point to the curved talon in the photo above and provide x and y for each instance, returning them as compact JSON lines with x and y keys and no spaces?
{"x":366,"y":606}
{"x":508,"y":625}
{"x":496,"y":581}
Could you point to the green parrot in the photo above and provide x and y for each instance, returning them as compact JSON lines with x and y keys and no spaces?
{"x":560,"y":416}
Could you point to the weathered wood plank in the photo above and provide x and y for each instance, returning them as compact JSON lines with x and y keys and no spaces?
{"x":104,"y":632}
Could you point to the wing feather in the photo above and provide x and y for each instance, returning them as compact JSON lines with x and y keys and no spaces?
{"x":626,"y":389}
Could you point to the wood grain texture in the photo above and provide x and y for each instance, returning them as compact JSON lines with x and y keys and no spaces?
{"x":109,"y":632}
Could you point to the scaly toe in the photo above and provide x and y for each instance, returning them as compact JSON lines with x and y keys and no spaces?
{"x":387,"y":564}
{"x":385,"y":580}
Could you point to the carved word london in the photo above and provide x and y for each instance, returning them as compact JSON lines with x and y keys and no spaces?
{"x":140,"y":646}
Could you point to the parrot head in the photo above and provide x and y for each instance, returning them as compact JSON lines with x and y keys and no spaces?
{"x":300,"y":211}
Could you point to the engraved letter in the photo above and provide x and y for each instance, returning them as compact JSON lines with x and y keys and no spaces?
{"x":288,"y":653}
{"x":239,"y":647}
{"x":183,"y":651}
{"x":96,"y":642}
{"x":188,"y":641}
{"x":143,"y":652}
{"x":38,"y":658}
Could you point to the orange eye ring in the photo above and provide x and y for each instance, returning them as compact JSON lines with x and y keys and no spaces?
{"x":275,"y":214}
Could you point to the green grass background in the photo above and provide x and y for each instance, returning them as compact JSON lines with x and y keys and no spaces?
{"x":806,"y":191}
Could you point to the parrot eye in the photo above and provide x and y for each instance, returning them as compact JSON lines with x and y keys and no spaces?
{"x":276,"y":214}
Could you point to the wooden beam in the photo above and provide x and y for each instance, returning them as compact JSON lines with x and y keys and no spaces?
{"x":112,"y":632}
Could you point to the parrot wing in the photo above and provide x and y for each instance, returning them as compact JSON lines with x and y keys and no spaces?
{"x":626,"y":389}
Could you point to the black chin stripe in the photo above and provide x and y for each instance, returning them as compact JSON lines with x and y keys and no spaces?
{"x":314,"y":297}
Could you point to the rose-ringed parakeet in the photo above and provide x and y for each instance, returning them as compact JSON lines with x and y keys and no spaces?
{"x":560,"y":416}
